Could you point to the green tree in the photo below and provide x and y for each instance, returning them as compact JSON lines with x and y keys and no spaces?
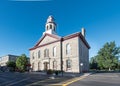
{"x":21,"y":62}
{"x":93,"y":63}
{"x":11,"y":65}
{"x":107,"y":57}
{"x":119,"y":65}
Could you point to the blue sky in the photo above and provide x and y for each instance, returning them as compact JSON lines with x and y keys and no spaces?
{"x":22,"y":22}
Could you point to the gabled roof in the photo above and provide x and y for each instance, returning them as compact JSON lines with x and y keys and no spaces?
{"x":46,"y":34}
{"x":78,"y":34}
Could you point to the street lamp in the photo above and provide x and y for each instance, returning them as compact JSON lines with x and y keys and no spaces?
{"x":81,"y":64}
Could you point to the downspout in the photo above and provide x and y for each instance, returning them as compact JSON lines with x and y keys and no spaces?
{"x":61,"y":58}
{"x":79,"y":56}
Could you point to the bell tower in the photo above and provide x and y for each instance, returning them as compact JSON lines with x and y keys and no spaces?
{"x":50,"y":26}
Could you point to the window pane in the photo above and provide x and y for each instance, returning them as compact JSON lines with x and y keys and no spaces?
{"x":33,"y":55}
{"x":46,"y":53}
{"x":68,"y":63}
{"x":68,"y":49}
{"x":54,"y":65}
{"x":50,"y":26}
{"x":39,"y":65}
{"x":39,"y":54}
{"x":54,"y":51}
{"x":33,"y":66}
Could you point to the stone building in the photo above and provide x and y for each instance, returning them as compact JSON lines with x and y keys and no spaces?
{"x":6,"y":58}
{"x":69,"y":53}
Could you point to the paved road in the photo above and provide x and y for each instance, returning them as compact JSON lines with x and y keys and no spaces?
{"x":20,"y":79}
{"x":99,"y":79}
{"x":30,"y":79}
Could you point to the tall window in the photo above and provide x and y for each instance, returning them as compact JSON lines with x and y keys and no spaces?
{"x":39,"y":65}
{"x":33,"y":66}
{"x":54,"y":65}
{"x":33,"y":55}
{"x":47,"y":27}
{"x":68,"y":49}
{"x":68,"y":63}
{"x":39,"y":54}
{"x":50,"y":26}
{"x":54,"y":28}
{"x":46,"y":53}
{"x":54,"y":51}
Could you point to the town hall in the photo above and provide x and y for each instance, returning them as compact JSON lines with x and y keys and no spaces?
{"x":68,"y":53}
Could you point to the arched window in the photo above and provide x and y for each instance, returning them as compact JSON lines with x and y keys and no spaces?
{"x":54,"y":65}
{"x":46,"y":53}
{"x":54,"y":51}
{"x":68,"y":63}
{"x":33,"y":55}
{"x":54,"y":28}
{"x":68,"y":49}
{"x":47,"y":27}
{"x":50,"y":26}
{"x":39,"y":65}
{"x":39,"y":54}
{"x":33,"y":66}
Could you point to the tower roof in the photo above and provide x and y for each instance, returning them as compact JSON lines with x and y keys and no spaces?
{"x":50,"y":19}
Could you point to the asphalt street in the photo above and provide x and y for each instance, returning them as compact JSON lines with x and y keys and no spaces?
{"x":38,"y":79}
{"x":30,"y":79}
{"x":99,"y":79}
{"x":20,"y":79}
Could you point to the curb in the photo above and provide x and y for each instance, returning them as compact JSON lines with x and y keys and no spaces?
{"x":70,"y":81}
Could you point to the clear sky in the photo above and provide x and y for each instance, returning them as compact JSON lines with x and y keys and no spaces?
{"x":23,"y":22}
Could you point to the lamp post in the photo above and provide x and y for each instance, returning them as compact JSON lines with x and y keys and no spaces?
{"x":81,"y":65}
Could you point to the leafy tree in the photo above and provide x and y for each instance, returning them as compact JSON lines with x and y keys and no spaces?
{"x":21,"y":62}
{"x":107,"y":57}
{"x":119,"y":65}
{"x":11,"y":65}
{"x":93,"y":63}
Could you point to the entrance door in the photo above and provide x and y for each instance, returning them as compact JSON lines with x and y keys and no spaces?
{"x":45,"y":65}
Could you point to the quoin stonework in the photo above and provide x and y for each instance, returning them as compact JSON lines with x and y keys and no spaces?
{"x":69,"y":53}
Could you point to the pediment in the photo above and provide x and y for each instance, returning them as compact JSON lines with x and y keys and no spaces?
{"x":47,"y":38}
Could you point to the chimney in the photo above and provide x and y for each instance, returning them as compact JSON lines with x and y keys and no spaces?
{"x":83,"y":32}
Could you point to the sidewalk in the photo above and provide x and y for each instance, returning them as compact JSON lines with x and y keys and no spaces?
{"x":59,"y":80}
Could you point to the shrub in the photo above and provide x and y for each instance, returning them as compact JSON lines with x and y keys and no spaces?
{"x":56,"y":72}
{"x":49,"y":71}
